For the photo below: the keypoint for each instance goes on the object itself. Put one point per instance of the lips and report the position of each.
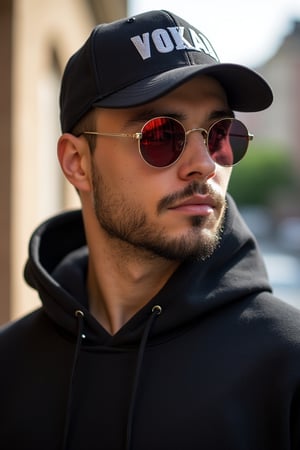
(196, 200)
(197, 204)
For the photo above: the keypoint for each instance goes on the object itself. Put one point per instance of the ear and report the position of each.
(74, 158)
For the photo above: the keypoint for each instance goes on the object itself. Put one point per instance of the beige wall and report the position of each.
(5, 153)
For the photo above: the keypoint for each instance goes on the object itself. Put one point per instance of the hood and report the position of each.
(56, 268)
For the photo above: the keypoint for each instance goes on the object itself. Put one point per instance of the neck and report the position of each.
(121, 280)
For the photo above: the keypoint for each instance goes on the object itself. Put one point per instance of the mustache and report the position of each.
(192, 189)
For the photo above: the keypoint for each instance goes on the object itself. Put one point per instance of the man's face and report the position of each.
(174, 212)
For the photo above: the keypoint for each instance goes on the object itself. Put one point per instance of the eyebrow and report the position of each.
(148, 114)
(220, 114)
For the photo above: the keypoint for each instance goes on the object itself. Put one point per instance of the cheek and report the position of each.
(223, 177)
(127, 181)
(123, 169)
(118, 162)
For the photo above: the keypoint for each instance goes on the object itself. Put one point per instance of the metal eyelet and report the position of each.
(157, 309)
(79, 313)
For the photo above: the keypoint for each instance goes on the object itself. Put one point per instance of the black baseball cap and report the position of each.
(135, 60)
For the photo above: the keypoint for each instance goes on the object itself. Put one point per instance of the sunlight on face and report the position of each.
(177, 212)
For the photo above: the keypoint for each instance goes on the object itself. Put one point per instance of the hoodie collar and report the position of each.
(57, 263)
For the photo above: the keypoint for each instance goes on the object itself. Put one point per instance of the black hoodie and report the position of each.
(212, 362)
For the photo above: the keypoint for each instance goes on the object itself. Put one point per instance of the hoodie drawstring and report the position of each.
(156, 311)
(79, 316)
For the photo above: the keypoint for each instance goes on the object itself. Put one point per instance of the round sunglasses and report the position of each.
(162, 140)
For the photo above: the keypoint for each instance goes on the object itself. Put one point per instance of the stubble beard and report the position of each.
(126, 223)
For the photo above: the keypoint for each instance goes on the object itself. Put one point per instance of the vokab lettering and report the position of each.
(166, 40)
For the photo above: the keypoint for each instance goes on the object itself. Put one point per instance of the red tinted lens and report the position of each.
(228, 141)
(162, 141)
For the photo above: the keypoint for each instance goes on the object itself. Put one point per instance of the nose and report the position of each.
(196, 161)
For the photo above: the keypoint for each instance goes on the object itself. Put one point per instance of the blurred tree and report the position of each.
(265, 172)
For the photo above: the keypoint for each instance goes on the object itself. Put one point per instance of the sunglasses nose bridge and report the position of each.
(202, 131)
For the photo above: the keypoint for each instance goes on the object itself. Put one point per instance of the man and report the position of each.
(158, 328)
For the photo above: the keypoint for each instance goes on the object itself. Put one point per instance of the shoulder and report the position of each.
(20, 331)
(273, 318)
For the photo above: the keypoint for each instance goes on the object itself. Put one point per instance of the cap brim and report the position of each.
(246, 90)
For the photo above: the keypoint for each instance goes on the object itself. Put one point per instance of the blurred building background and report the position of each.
(36, 39)
(267, 183)
(277, 128)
